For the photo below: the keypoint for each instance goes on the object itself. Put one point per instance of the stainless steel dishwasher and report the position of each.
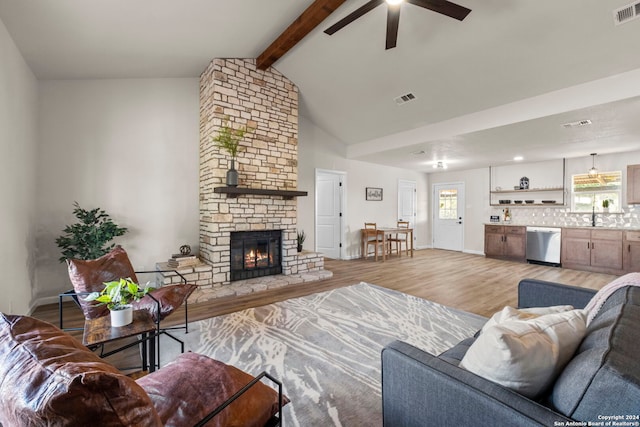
(543, 245)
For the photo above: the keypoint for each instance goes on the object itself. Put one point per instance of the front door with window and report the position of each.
(448, 208)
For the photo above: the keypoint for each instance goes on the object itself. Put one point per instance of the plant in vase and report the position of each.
(229, 139)
(118, 296)
(605, 205)
(87, 239)
(301, 238)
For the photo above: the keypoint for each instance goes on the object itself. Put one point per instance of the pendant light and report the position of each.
(593, 172)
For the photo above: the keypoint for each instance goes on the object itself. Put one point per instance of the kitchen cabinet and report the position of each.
(633, 184)
(631, 251)
(505, 242)
(592, 249)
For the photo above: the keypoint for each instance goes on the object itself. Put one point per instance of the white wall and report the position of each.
(319, 150)
(129, 147)
(18, 150)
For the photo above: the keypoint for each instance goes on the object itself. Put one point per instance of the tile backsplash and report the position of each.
(563, 217)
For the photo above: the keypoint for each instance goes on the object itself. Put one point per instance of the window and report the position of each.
(448, 204)
(588, 192)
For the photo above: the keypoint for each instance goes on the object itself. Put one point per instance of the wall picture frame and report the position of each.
(373, 194)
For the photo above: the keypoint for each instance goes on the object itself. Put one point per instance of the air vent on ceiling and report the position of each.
(627, 13)
(577, 124)
(405, 98)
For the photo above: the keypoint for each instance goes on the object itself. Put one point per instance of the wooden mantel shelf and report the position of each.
(236, 191)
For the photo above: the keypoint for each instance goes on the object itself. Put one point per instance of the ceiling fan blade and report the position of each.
(393, 20)
(444, 7)
(367, 7)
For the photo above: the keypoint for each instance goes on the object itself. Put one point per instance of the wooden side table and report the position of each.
(99, 331)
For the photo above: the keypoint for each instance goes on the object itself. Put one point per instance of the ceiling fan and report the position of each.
(393, 15)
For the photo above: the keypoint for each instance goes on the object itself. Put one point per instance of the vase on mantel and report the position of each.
(232, 175)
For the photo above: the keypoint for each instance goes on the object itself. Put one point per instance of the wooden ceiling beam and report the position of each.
(303, 25)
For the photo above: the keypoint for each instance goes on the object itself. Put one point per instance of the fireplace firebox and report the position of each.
(255, 254)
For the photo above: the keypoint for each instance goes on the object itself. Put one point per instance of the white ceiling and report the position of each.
(496, 85)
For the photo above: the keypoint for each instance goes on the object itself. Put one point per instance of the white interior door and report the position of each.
(329, 212)
(407, 204)
(448, 209)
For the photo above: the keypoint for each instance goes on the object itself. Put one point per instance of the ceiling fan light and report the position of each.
(394, 2)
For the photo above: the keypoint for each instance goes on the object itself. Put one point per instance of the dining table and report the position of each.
(385, 233)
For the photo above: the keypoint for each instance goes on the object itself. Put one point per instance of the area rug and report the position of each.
(326, 347)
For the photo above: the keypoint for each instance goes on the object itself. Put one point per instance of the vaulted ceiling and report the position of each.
(498, 84)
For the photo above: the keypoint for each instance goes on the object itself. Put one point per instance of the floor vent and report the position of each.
(405, 98)
(627, 13)
(577, 124)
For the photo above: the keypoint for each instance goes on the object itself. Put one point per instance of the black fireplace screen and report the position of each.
(255, 254)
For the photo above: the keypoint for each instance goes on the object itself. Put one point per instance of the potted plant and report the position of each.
(301, 238)
(229, 139)
(118, 296)
(87, 239)
(605, 205)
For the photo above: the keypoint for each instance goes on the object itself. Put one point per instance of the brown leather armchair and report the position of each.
(47, 377)
(90, 275)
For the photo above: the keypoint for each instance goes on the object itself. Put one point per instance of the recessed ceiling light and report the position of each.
(518, 158)
(394, 2)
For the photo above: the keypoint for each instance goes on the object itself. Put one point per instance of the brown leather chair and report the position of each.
(47, 377)
(90, 275)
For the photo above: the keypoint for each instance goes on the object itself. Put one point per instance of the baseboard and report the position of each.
(467, 251)
(42, 301)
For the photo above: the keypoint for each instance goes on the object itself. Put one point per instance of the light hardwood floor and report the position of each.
(467, 282)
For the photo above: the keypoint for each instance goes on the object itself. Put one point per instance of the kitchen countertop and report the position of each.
(588, 227)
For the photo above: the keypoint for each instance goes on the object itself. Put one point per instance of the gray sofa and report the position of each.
(601, 380)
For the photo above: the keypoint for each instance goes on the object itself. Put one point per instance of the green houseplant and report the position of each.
(228, 139)
(118, 296)
(301, 238)
(88, 238)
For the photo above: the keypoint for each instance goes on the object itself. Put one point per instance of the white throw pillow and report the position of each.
(526, 355)
(510, 313)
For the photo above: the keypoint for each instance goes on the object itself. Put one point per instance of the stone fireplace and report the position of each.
(264, 203)
(267, 102)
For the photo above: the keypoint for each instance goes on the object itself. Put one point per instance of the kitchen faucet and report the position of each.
(593, 217)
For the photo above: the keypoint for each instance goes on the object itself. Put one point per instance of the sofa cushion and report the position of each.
(510, 313)
(187, 389)
(526, 355)
(604, 375)
(48, 378)
(91, 275)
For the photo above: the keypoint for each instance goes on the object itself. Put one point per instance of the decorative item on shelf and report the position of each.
(185, 250)
(87, 239)
(529, 201)
(494, 218)
(524, 183)
(504, 202)
(517, 202)
(229, 139)
(181, 261)
(301, 238)
(118, 296)
(507, 215)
